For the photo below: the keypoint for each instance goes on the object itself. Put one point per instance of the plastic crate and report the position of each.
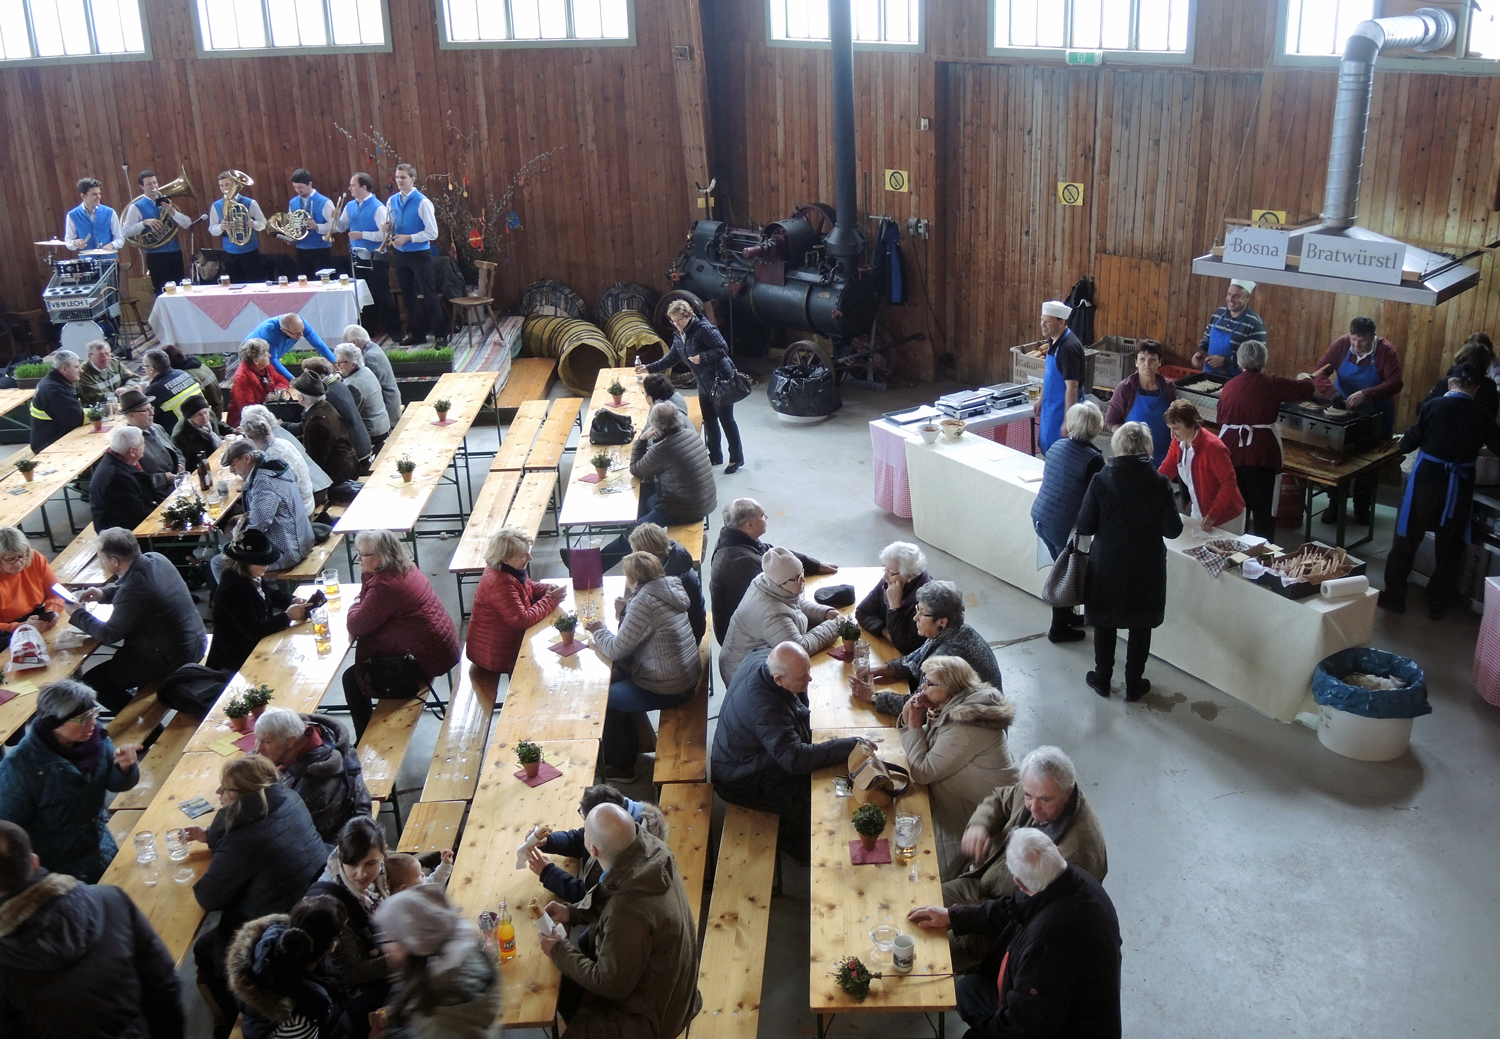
(1024, 362)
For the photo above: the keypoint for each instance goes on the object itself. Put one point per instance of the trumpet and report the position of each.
(390, 233)
(238, 227)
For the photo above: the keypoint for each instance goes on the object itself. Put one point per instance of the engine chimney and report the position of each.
(845, 243)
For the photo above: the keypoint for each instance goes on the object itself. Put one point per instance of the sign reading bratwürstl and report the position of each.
(1256, 247)
(1353, 258)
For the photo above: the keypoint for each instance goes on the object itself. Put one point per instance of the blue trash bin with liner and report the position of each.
(1368, 724)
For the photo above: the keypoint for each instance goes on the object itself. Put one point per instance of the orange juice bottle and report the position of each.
(505, 932)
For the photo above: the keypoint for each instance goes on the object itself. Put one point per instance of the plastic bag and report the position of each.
(1408, 701)
(27, 649)
(803, 390)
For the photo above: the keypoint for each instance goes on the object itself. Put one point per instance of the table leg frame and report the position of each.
(939, 1029)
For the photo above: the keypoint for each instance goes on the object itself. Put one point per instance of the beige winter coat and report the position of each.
(960, 754)
(768, 615)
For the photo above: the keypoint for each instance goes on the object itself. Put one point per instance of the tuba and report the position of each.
(236, 216)
(179, 188)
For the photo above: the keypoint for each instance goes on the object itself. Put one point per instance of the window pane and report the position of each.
(14, 43)
(344, 14)
(310, 25)
(866, 20)
(48, 28)
(1351, 13)
(1152, 33)
(1022, 24)
(526, 19)
(283, 23)
(586, 20)
(1484, 31)
(108, 35)
(1050, 24)
(490, 20)
(614, 15)
(1086, 23)
(1177, 36)
(1115, 28)
(554, 20)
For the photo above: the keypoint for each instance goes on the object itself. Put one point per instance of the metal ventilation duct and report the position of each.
(1438, 277)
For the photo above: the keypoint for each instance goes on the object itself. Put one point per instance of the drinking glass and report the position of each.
(145, 857)
(177, 851)
(321, 636)
(883, 937)
(862, 661)
(908, 829)
(330, 579)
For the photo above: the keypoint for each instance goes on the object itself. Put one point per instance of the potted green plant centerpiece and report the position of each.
(258, 697)
(442, 407)
(95, 417)
(566, 625)
(869, 823)
(849, 632)
(406, 467)
(28, 375)
(616, 392)
(185, 512)
(238, 712)
(27, 468)
(600, 463)
(530, 757)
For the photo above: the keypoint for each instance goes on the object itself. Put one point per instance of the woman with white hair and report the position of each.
(1071, 464)
(700, 345)
(1128, 510)
(890, 609)
(507, 602)
(1249, 405)
(953, 734)
(403, 636)
(26, 581)
(350, 362)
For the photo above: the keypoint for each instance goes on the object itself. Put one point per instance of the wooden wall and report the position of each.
(615, 204)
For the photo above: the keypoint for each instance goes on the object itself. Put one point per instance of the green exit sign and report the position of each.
(1085, 57)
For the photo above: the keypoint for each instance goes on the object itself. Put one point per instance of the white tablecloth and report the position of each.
(214, 320)
(888, 443)
(1487, 648)
(973, 499)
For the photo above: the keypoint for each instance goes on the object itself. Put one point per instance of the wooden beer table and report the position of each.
(64, 663)
(12, 399)
(828, 694)
(614, 503)
(1334, 478)
(155, 525)
(848, 900)
(58, 465)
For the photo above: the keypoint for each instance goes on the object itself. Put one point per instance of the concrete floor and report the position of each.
(1259, 878)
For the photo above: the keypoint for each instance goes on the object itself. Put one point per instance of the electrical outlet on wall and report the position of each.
(923, 123)
(916, 227)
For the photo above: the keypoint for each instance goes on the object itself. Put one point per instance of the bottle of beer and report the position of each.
(505, 931)
(205, 474)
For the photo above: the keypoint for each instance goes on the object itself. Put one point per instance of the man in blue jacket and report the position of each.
(281, 334)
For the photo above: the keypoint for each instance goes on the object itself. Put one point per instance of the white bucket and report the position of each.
(1364, 739)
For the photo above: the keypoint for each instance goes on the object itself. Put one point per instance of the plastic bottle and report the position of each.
(505, 931)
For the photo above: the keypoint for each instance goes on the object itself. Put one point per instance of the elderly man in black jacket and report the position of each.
(55, 408)
(316, 758)
(155, 621)
(737, 556)
(121, 493)
(763, 750)
(1060, 970)
(78, 961)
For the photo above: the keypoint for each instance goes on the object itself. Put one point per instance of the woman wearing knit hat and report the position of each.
(773, 611)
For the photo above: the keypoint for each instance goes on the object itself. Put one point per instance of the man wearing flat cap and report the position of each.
(1063, 386)
(1231, 325)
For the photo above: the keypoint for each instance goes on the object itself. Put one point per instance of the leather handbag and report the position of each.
(394, 678)
(1067, 584)
(610, 427)
(730, 391)
(875, 781)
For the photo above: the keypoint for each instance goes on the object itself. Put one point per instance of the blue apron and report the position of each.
(1457, 473)
(1351, 378)
(1054, 402)
(1152, 410)
(1221, 344)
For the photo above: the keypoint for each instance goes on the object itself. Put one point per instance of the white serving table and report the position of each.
(973, 499)
(209, 319)
(1010, 426)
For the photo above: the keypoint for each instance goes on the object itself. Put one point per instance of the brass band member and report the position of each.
(90, 225)
(164, 263)
(412, 225)
(314, 252)
(241, 261)
(364, 217)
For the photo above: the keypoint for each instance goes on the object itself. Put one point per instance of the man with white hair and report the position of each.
(316, 757)
(55, 408)
(121, 493)
(763, 748)
(282, 333)
(1048, 799)
(1231, 325)
(103, 376)
(350, 361)
(1060, 972)
(1062, 386)
(380, 364)
(737, 556)
(641, 977)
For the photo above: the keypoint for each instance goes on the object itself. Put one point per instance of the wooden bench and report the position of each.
(552, 441)
(695, 412)
(432, 826)
(693, 537)
(682, 733)
(509, 498)
(138, 719)
(516, 445)
(689, 808)
(78, 563)
(459, 752)
(159, 759)
(530, 378)
(732, 966)
(311, 568)
(384, 744)
(122, 825)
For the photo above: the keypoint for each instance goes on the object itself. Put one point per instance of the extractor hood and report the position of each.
(1349, 258)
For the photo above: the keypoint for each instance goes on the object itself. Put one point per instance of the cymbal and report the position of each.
(54, 241)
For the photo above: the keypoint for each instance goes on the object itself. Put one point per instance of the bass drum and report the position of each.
(77, 335)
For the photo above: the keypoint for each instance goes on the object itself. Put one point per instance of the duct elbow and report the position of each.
(1427, 30)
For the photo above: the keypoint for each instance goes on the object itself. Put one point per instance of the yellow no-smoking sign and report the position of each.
(897, 180)
(1069, 194)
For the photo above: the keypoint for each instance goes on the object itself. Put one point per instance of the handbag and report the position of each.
(610, 427)
(728, 391)
(875, 781)
(394, 678)
(1067, 584)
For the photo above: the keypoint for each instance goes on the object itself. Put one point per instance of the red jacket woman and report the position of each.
(254, 380)
(507, 603)
(1215, 491)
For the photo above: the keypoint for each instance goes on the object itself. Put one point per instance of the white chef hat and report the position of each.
(1052, 308)
(1248, 286)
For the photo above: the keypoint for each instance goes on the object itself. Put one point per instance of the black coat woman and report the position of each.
(700, 345)
(1128, 509)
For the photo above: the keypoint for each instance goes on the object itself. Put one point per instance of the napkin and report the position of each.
(532, 840)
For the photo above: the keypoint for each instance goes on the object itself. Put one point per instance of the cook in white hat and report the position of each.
(1231, 325)
(1063, 385)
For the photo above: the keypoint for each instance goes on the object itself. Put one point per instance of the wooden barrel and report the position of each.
(634, 337)
(622, 296)
(550, 298)
(582, 353)
(539, 336)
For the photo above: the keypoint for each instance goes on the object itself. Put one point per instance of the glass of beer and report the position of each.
(908, 829)
(330, 579)
(322, 638)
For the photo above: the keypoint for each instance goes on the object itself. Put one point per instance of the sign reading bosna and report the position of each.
(1256, 247)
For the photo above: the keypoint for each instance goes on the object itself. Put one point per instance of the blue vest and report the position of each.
(407, 214)
(1055, 510)
(316, 204)
(149, 210)
(362, 218)
(229, 247)
(96, 233)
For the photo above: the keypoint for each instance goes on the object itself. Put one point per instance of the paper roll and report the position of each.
(1345, 587)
